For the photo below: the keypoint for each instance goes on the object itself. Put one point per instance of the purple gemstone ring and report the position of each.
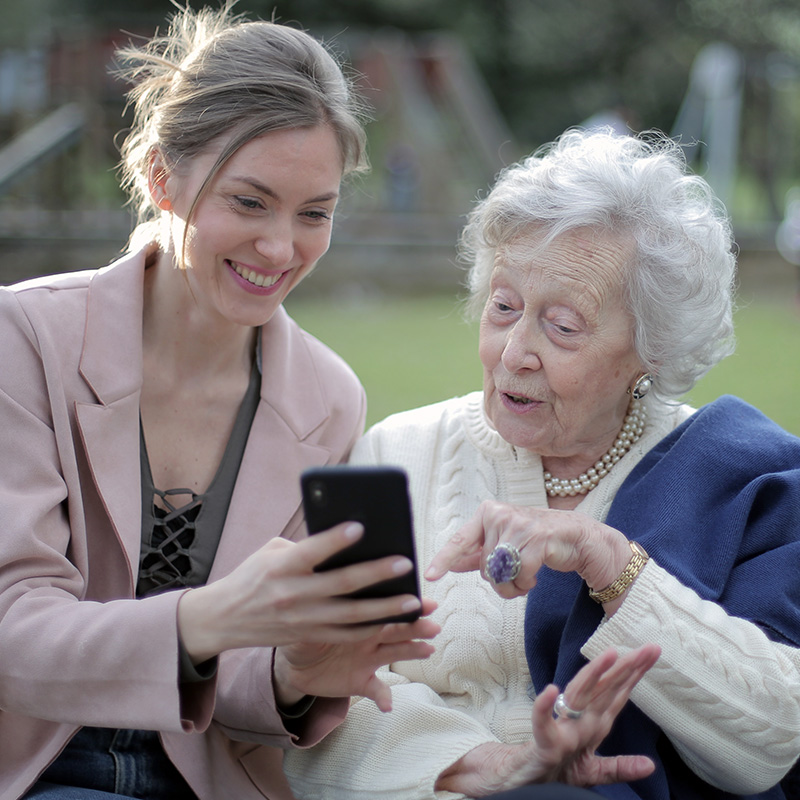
(503, 564)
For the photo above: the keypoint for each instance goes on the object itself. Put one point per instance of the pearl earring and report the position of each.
(642, 386)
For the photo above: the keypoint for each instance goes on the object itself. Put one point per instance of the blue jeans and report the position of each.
(106, 763)
(546, 791)
(49, 791)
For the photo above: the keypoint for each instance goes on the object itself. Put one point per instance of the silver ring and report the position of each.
(561, 709)
(503, 564)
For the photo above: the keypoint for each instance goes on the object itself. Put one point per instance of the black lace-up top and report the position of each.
(179, 543)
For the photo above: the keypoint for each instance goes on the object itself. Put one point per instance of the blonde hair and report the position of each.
(214, 73)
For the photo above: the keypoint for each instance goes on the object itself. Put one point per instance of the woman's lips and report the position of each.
(518, 403)
(253, 280)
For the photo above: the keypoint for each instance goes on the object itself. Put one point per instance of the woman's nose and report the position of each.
(276, 243)
(520, 351)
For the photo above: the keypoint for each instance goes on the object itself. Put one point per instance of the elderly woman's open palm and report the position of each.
(563, 747)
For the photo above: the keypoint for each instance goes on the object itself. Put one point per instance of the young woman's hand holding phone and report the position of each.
(329, 644)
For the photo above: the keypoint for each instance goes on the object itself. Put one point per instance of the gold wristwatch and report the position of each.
(626, 577)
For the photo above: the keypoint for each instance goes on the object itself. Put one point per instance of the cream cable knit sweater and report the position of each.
(476, 687)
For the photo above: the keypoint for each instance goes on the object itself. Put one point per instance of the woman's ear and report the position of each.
(157, 177)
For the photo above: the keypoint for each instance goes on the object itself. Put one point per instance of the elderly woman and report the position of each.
(599, 509)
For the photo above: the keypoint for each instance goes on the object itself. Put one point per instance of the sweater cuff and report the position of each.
(620, 631)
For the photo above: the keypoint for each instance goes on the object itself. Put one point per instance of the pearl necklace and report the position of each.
(631, 431)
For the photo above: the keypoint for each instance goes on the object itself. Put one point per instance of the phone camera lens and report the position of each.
(318, 494)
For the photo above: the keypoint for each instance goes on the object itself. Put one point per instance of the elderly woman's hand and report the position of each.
(563, 749)
(566, 541)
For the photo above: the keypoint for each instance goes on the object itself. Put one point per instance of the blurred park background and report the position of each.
(459, 89)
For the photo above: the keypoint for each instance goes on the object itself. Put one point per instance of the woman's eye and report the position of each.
(564, 329)
(317, 214)
(249, 202)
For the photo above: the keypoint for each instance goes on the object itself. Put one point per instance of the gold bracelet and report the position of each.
(626, 577)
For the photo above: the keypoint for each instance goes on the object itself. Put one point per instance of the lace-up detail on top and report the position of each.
(165, 560)
(179, 543)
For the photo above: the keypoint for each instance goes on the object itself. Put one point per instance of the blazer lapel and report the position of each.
(111, 363)
(280, 446)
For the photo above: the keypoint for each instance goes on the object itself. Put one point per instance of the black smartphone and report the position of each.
(377, 497)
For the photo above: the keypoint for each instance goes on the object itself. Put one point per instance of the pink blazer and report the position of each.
(75, 648)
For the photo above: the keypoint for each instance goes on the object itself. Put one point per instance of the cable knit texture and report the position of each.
(475, 688)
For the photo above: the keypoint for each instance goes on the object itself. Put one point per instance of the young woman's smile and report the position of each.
(254, 280)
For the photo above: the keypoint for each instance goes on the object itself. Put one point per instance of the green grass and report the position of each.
(765, 369)
(412, 351)
(406, 351)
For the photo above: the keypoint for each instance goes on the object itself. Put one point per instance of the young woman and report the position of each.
(162, 631)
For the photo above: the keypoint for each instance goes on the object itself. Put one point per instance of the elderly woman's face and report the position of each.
(556, 343)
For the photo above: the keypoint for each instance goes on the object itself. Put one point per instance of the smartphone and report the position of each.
(377, 497)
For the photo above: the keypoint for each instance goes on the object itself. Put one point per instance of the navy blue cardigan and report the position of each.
(717, 504)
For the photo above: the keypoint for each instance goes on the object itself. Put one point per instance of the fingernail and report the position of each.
(354, 530)
(402, 565)
(430, 573)
(411, 605)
